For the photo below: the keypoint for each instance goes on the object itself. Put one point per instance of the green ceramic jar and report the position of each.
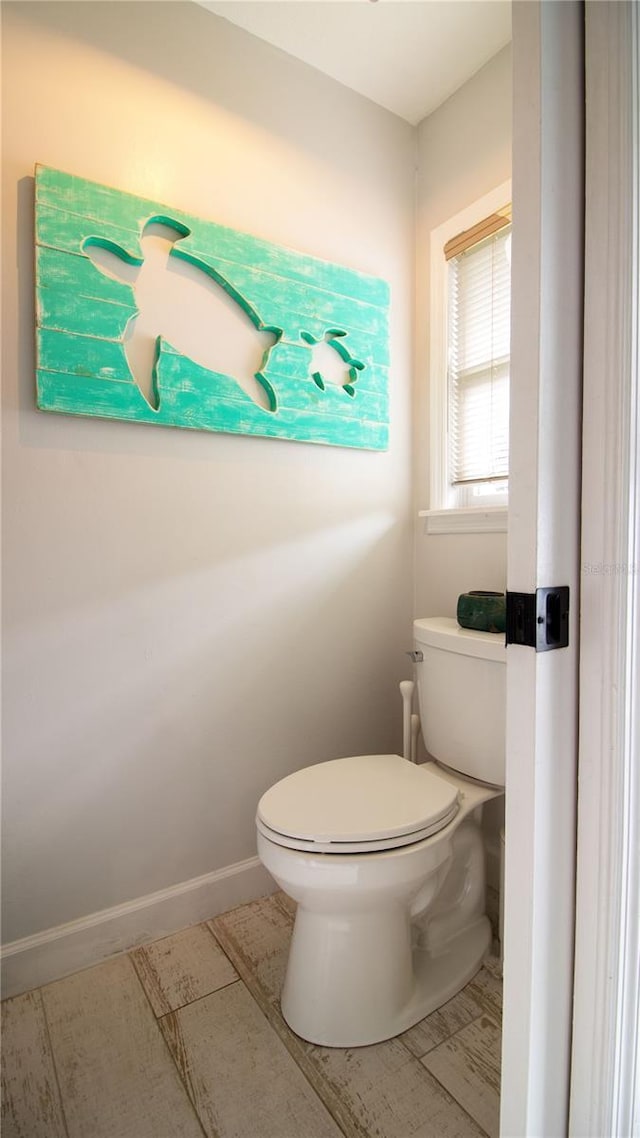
(482, 610)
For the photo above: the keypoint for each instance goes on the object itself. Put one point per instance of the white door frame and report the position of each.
(565, 1070)
(543, 550)
(605, 1095)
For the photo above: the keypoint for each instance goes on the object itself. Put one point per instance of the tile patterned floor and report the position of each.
(184, 1037)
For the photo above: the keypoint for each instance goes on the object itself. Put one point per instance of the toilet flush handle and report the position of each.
(417, 656)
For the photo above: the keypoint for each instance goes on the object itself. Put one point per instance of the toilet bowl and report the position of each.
(385, 858)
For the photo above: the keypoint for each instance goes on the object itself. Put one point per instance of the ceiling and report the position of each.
(405, 55)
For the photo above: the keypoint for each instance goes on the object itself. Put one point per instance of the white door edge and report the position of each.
(543, 550)
(605, 1095)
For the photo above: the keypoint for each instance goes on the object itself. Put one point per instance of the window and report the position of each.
(478, 363)
(470, 356)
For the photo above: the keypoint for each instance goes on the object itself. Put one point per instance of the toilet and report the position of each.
(385, 857)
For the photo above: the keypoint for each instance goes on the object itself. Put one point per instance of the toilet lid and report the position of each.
(361, 802)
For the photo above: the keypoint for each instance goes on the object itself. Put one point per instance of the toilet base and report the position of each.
(440, 978)
(422, 983)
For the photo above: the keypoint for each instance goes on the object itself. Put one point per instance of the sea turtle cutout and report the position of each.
(176, 296)
(326, 368)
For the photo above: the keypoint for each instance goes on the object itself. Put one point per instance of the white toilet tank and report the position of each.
(461, 691)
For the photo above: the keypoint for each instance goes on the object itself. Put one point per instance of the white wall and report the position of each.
(189, 616)
(464, 152)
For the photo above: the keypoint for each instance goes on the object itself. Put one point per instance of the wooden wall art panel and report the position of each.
(303, 312)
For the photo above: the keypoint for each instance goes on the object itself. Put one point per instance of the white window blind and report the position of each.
(479, 356)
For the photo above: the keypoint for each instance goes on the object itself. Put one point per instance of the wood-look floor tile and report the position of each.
(384, 1093)
(182, 968)
(482, 994)
(256, 937)
(468, 1065)
(373, 1092)
(486, 988)
(116, 1077)
(31, 1105)
(493, 964)
(286, 903)
(442, 1023)
(241, 1078)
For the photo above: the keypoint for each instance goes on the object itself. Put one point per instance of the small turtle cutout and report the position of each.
(323, 363)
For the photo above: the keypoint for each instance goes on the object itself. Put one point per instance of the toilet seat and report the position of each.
(359, 804)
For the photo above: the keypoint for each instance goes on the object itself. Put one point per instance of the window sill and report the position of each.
(490, 519)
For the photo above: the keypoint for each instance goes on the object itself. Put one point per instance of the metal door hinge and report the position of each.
(539, 620)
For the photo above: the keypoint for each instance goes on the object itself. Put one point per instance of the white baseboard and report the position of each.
(53, 953)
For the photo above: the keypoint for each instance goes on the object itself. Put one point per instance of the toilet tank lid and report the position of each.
(444, 632)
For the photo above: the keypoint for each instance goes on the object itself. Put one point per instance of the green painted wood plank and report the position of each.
(77, 275)
(375, 378)
(81, 315)
(59, 229)
(289, 306)
(91, 200)
(82, 355)
(298, 426)
(181, 374)
(217, 241)
(332, 401)
(96, 397)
